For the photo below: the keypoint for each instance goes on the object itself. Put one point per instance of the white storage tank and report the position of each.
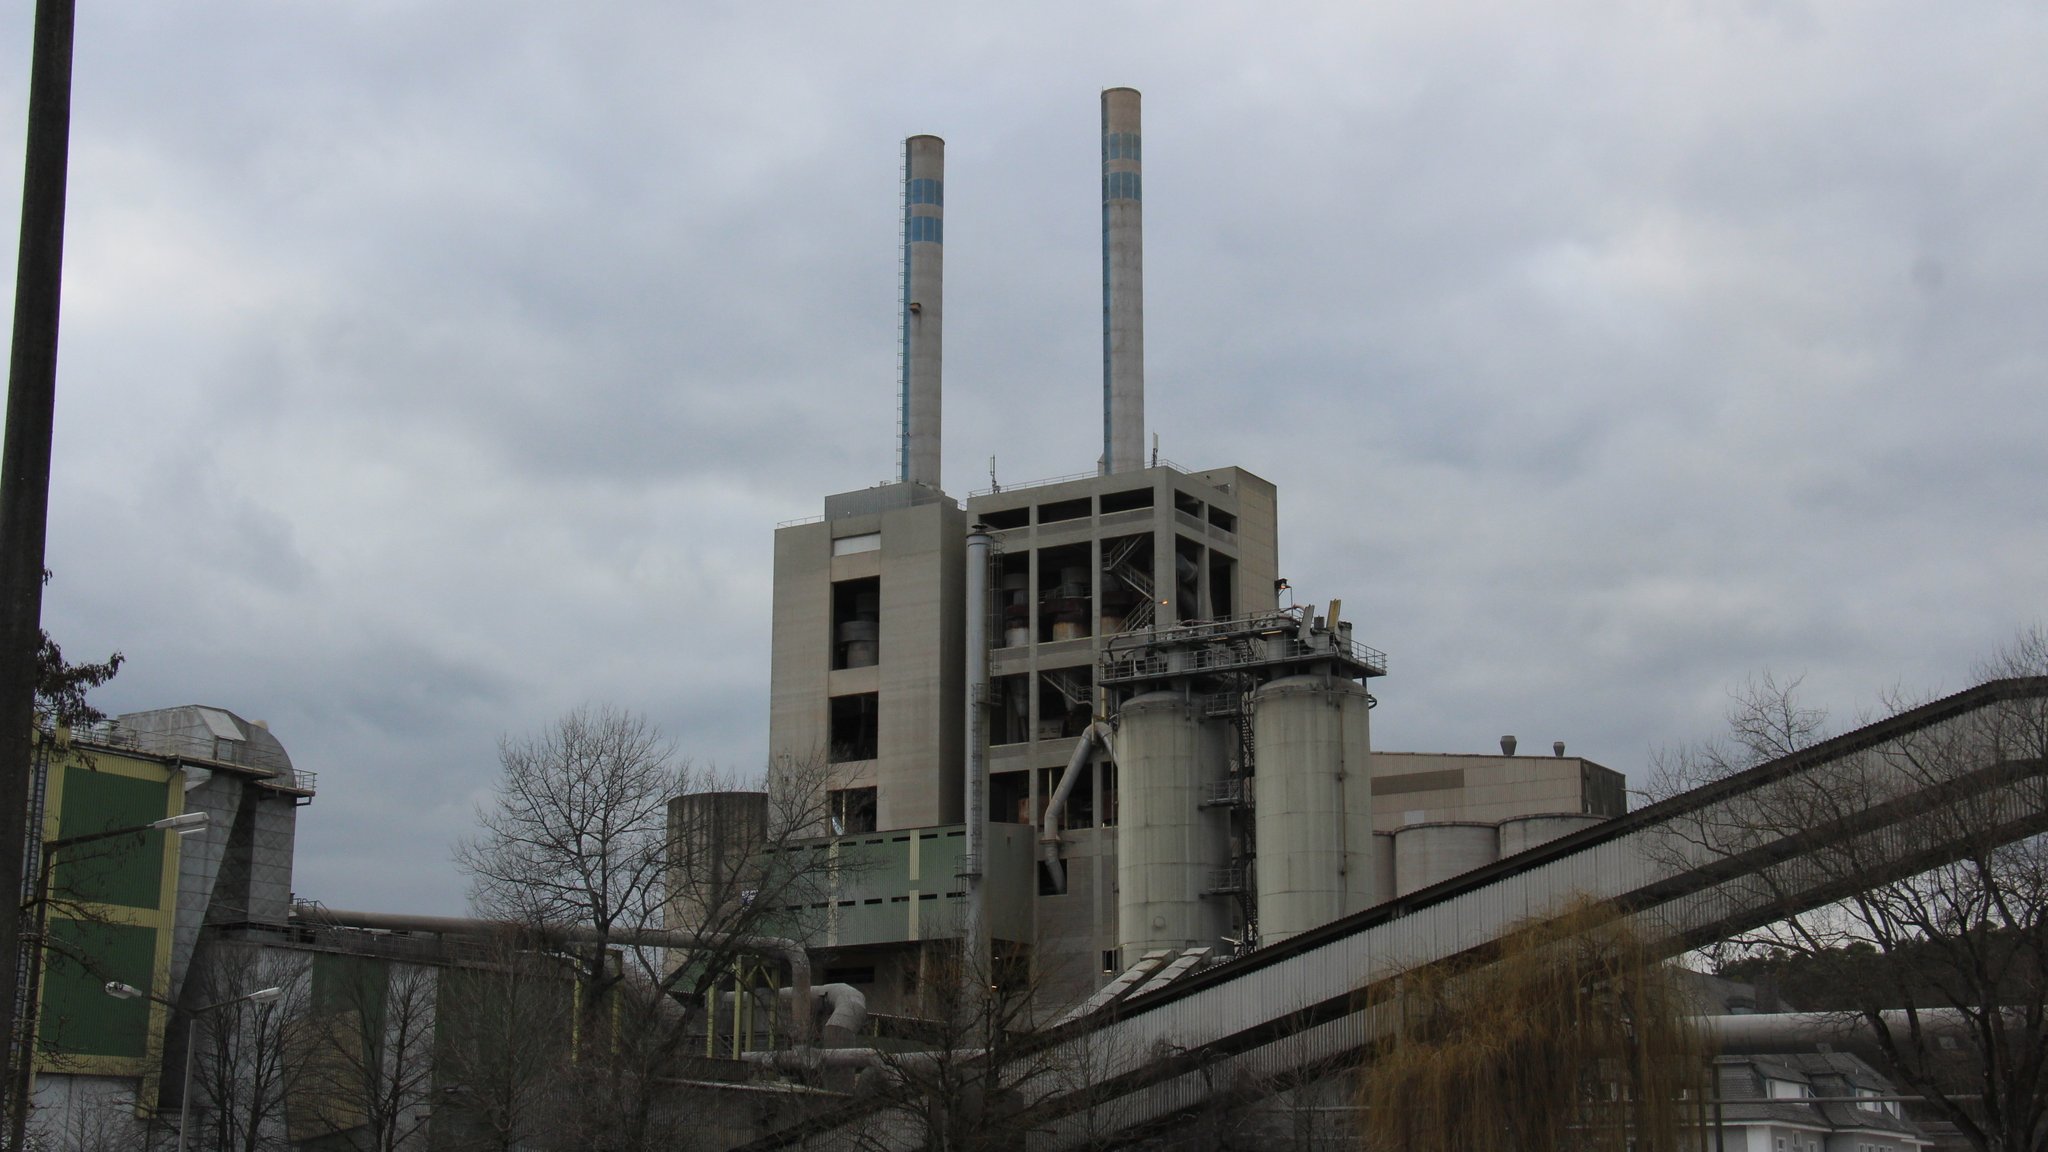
(1521, 833)
(1426, 854)
(1313, 803)
(1382, 867)
(1168, 845)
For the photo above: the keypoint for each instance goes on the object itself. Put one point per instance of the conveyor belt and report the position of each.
(1687, 871)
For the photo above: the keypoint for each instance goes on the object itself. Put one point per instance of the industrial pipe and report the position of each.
(1098, 733)
(847, 1009)
(1800, 1031)
(789, 950)
(974, 794)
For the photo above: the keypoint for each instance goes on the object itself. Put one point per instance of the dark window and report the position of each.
(856, 622)
(1126, 501)
(1003, 519)
(1222, 519)
(853, 810)
(1009, 798)
(1182, 502)
(855, 729)
(1063, 510)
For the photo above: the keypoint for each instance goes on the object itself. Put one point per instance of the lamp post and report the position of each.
(184, 825)
(120, 991)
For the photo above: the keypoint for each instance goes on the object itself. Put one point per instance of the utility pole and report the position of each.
(25, 477)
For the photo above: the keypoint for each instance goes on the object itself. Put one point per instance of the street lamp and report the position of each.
(120, 991)
(183, 824)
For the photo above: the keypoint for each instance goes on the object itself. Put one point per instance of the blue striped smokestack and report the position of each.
(1123, 284)
(924, 218)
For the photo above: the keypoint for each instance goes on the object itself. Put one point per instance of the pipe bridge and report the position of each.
(1882, 803)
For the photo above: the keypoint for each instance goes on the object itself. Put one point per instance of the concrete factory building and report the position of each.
(1082, 720)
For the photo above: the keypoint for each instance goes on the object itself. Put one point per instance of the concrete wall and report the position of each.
(1436, 787)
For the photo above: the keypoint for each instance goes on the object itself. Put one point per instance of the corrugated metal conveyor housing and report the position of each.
(1695, 868)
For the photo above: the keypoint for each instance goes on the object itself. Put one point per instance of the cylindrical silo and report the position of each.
(1123, 283)
(1521, 833)
(1313, 809)
(1426, 854)
(714, 845)
(924, 265)
(1382, 867)
(1168, 845)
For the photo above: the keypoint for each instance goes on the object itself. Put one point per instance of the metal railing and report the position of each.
(1157, 462)
(216, 749)
(1224, 880)
(1228, 792)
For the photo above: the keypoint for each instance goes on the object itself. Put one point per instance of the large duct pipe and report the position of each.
(789, 950)
(1123, 284)
(846, 1009)
(924, 266)
(1098, 735)
(1758, 1033)
(974, 937)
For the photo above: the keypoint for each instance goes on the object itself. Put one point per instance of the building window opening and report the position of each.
(855, 728)
(1009, 714)
(1222, 585)
(1129, 501)
(1066, 593)
(1004, 519)
(1187, 579)
(1182, 502)
(1009, 797)
(1127, 596)
(853, 810)
(1013, 599)
(1059, 510)
(1106, 773)
(1066, 702)
(856, 622)
(1222, 520)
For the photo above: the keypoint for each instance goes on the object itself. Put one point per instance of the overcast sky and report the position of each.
(429, 369)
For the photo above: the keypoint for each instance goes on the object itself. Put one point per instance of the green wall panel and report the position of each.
(127, 870)
(78, 1017)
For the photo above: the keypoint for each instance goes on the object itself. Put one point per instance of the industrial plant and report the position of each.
(1083, 720)
(1077, 745)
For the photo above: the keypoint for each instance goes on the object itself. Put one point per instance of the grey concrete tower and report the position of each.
(924, 249)
(1123, 284)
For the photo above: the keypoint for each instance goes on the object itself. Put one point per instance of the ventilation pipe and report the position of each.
(1098, 735)
(1123, 284)
(846, 1009)
(1507, 745)
(789, 950)
(924, 249)
(974, 795)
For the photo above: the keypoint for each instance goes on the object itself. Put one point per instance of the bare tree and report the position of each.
(365, 1055)
(503, 1049)
(243, 1062)
(1947, 968)
(580, 845)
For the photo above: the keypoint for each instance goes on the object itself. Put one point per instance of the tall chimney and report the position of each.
(1123, 284)
(924, 257)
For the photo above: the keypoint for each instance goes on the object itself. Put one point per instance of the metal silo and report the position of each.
(1382, 867)
(1313, 808)
(1169, 848)
(1426, 854)
(1521, 833)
